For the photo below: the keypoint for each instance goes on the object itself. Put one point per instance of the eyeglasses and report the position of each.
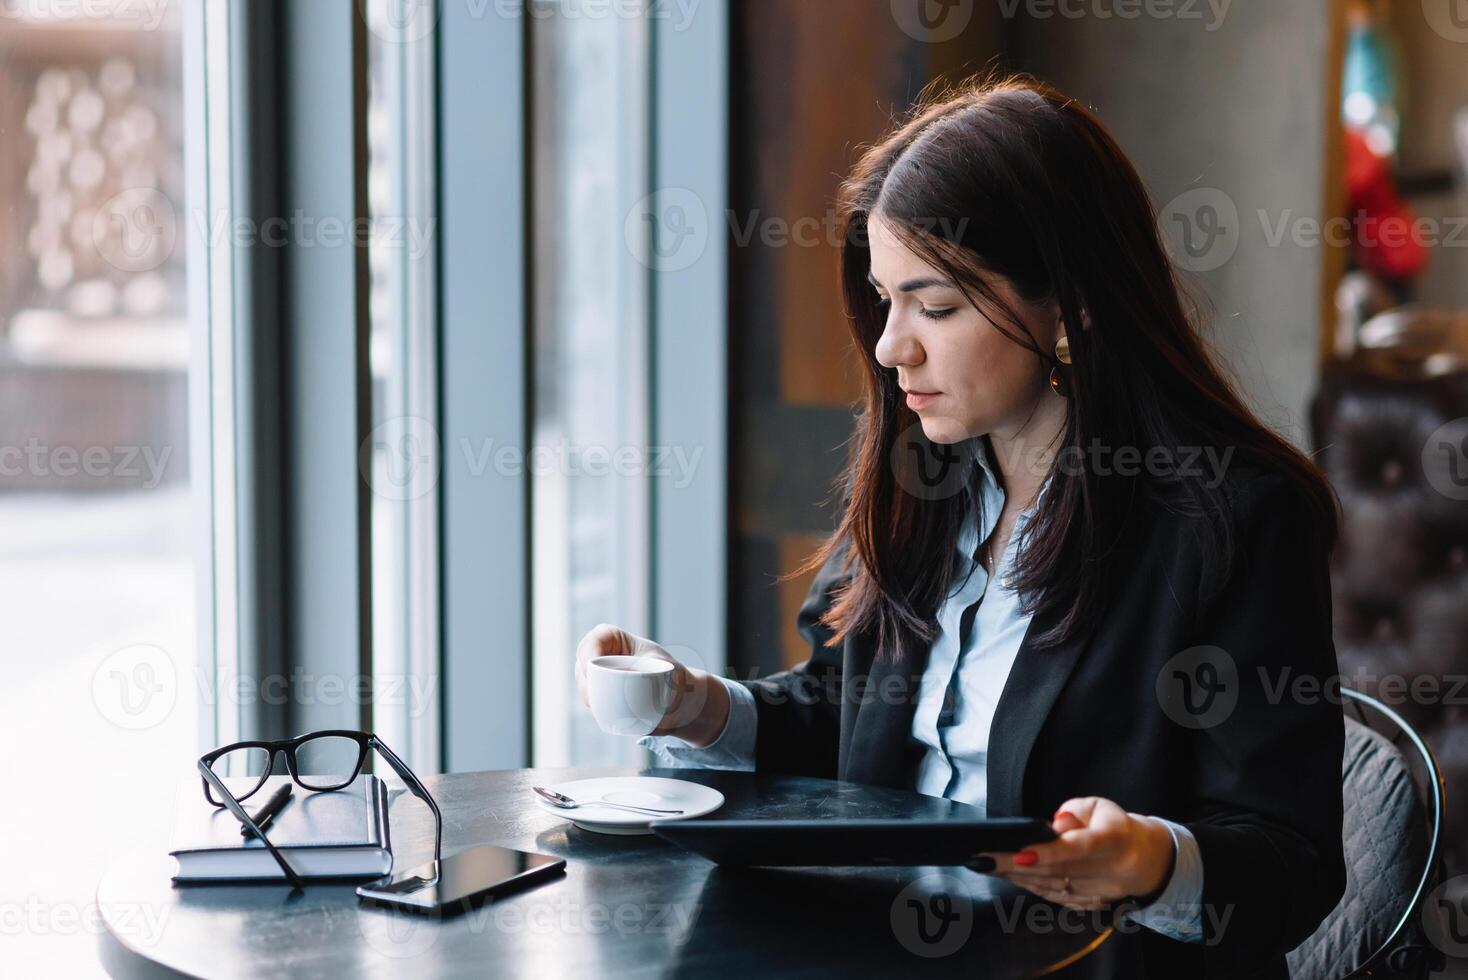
(319, 761)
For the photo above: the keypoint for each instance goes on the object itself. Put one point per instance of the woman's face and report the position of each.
(960, 374)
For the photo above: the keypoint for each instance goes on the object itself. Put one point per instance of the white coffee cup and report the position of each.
(629, 695)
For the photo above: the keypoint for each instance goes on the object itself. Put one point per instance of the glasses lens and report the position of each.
(327, 762)
(243, 771)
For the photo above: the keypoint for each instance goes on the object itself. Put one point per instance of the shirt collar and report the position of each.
(991, 499)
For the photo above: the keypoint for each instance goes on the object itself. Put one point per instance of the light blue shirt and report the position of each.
(979, 635)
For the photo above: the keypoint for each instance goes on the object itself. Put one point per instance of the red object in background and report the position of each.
(1386, 240)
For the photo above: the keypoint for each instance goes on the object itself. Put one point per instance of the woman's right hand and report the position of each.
(700, 704)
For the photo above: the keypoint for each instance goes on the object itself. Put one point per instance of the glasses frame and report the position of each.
(213, 783)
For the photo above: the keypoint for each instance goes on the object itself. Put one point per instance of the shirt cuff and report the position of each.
(1178, 911)
(733, 749)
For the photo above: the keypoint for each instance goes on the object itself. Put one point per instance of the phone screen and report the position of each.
(463, 876)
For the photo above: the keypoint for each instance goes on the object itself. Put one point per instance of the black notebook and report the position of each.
(337, 834)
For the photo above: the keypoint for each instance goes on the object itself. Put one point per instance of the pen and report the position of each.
(271, 807)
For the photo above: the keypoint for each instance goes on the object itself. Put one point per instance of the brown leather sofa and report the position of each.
(1400, 572)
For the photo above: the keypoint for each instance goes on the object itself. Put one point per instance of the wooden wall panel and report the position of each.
(811, 82)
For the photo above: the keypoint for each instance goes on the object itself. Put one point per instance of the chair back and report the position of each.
(1392, 835)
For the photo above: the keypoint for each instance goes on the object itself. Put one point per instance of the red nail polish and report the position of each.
(1064, 813)
(1025, 859)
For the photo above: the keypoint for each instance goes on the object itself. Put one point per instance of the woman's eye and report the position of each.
(938, 314)
(884, 304)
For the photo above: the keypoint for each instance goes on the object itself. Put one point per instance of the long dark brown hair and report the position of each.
(1005, 176)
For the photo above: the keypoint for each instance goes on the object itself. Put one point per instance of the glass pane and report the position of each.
(96, 570)
(401, 460)
(326, 762)
(589, 492)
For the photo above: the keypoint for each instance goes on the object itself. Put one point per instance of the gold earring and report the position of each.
(1058, 382)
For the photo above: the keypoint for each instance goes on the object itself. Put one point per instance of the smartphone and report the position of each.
(476, 873)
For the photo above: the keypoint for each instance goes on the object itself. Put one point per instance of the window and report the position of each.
(590, 353)
(97, 575)
(403, 463)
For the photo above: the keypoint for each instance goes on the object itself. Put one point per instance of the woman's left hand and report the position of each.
(1102, 854)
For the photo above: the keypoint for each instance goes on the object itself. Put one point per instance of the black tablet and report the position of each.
(851, 842)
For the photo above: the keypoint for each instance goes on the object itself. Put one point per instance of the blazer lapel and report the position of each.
(1034, 682)
(876, 752)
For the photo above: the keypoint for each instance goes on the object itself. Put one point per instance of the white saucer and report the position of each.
(694, 799)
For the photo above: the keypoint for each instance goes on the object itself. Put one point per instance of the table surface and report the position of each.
(626, 906)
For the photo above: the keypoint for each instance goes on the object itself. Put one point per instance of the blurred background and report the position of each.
(356, 358)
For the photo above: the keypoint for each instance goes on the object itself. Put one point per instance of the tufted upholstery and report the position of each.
(1386, 840)
(1400, 572)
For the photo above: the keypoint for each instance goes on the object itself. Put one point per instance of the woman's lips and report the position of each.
(918, 400)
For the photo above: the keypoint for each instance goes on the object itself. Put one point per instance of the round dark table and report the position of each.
(627, 906)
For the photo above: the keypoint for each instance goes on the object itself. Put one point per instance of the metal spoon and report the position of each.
(563, 802)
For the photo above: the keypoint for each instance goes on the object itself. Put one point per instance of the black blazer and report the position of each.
(1259, 785)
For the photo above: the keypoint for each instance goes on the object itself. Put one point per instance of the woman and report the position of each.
(1040, 413)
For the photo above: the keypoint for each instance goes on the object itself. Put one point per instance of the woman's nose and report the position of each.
(897, 347)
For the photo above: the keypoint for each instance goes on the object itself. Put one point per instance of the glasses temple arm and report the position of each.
(244, 818)
(416, 787)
